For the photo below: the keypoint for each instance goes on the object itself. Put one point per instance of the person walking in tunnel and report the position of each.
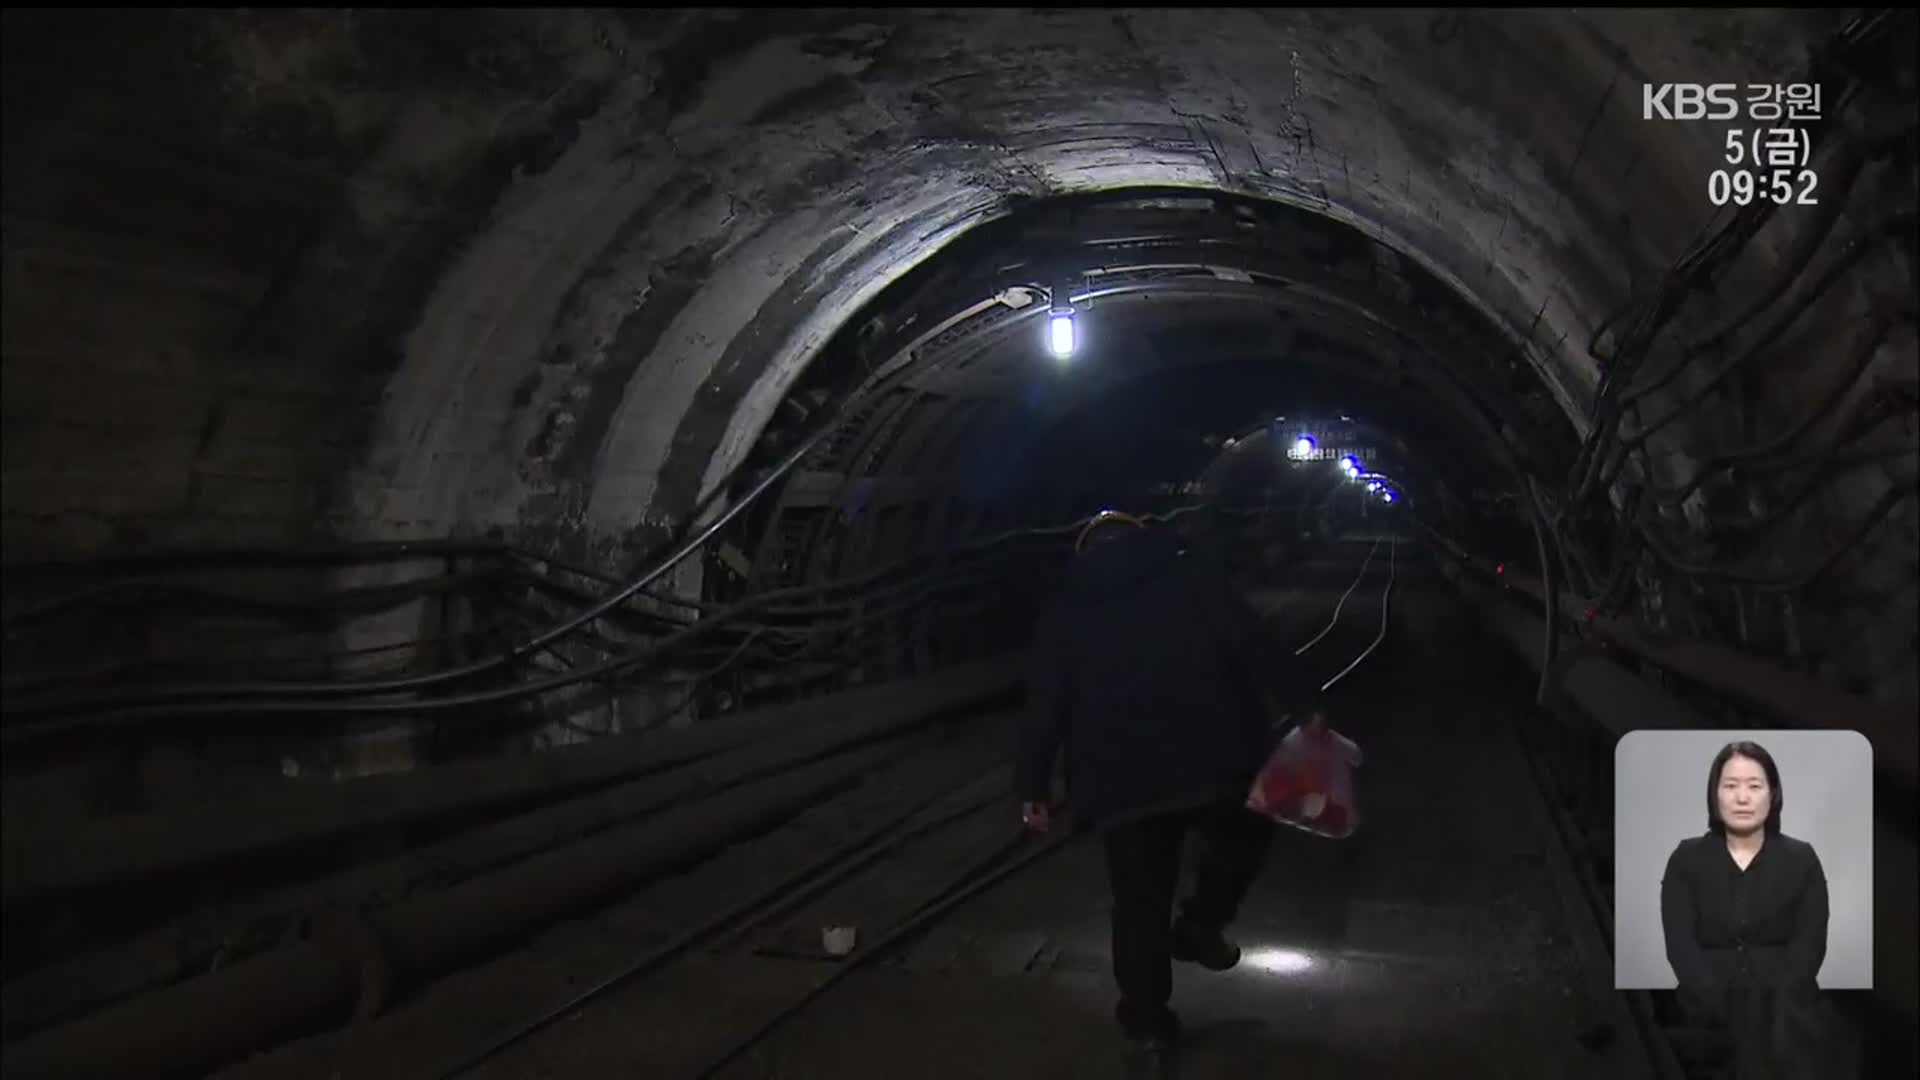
(1144, 672)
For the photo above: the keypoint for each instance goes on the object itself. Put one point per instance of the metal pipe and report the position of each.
(119, 708)
(203, 1023)
(40, 866)
(1550, 625)
(1613, 695)
(1588, 907)
(1793, 698)
(976, 880)
(691, 540)
(776, 899)
(1621, 702)
(233, 558)
(50, 995)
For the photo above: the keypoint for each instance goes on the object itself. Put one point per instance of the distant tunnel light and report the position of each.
(1060, 334)
(1386, 496)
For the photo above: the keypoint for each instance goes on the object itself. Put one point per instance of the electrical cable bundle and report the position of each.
(1622, 422)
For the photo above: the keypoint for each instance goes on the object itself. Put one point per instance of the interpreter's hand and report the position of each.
(1036, 816)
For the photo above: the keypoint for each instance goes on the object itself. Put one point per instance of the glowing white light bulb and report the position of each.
(1060, 335)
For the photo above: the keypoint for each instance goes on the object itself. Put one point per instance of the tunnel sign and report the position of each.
(1334, 453)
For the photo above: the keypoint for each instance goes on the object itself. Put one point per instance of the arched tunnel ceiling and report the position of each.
(554, 271)
(1305, 349)
(1176, 424)
(1167, 380)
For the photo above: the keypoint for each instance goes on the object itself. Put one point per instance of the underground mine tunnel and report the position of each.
(515, 521)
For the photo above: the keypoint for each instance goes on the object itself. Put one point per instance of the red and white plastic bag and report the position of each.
(1307, 783)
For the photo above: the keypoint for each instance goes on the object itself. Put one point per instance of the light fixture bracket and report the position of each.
(1060, 299)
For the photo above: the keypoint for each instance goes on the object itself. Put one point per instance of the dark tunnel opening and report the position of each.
(1189, 302)
(518, 537)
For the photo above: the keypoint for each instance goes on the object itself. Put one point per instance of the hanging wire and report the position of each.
(1386, 598)
(1335, 620)
(76, 714)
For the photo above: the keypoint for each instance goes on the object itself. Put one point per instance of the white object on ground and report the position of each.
(838, 940)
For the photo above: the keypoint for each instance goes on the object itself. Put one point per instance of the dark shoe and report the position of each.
(1153, 1059)
(1207, 948)
(1157, 1028)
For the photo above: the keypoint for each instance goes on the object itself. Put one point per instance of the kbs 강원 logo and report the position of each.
(1766, 103)
(1689, 101)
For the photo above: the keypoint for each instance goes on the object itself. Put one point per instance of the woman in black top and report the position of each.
(1745, 905)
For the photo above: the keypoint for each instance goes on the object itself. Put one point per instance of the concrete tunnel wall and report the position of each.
(272, 276)
(369, 274)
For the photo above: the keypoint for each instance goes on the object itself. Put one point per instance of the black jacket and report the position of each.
(1144, 671)
(1764, 927)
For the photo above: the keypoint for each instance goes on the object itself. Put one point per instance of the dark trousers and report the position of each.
(1783, 1034)
(1143, 867)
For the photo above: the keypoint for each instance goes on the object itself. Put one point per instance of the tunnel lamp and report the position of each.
(1302, 446)
(1060, 335)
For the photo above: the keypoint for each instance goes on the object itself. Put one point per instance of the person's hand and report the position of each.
(1036, 816)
